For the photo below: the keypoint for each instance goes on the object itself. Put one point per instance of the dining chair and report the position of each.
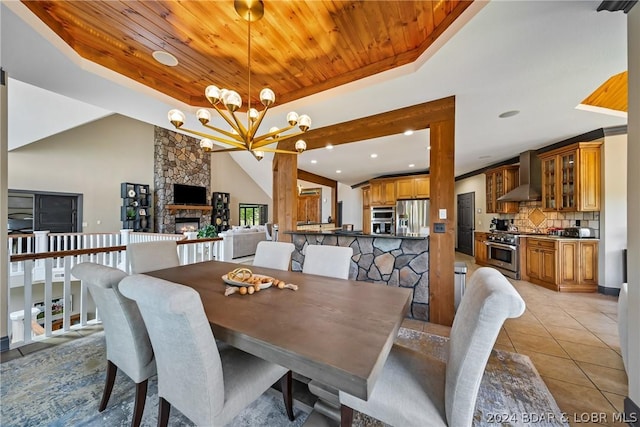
(149, 256)
(209, 384)
(268, 230)
(128, 345)
(273, 255)
(415, 389)
(330, 261)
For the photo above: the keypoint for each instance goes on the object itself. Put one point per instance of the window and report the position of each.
(253, 214)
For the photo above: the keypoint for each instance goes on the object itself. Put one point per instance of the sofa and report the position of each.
(241, 242)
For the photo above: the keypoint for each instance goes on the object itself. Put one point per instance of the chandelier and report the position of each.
(244, 136)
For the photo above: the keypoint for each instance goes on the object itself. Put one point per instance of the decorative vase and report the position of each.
(143, 222)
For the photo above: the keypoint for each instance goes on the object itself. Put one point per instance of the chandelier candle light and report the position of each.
(243, 137)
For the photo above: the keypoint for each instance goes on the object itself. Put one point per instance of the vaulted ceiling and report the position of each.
(297, 49)
(539, 57)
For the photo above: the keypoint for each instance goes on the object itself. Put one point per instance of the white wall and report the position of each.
(613, 216)
(351, 205)
(633, 199)
(228, 177)
(92, 159)
(476, 184)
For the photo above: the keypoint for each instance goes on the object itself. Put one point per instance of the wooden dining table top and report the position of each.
(338, 332)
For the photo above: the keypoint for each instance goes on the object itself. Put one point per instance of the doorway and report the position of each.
(57, 213)
(466, 222)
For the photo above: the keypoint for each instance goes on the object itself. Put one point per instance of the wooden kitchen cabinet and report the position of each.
(541, 262)
(414, 187)
(309, 207)
(571, 178)
(366, 196)
(500, 181)
(563, 265)
(383, 192)
(480, 247)
(366, 220)
(366, 209)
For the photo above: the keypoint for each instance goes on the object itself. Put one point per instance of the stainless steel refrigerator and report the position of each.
(412, 217)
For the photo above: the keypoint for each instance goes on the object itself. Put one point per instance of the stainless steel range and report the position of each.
(503, 253)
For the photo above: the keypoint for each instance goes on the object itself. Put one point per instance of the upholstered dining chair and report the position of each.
(273, 255)
(330, 261)
(268, 230)
(149, 256)
(415, 389)
(128, 345)
(208, 384)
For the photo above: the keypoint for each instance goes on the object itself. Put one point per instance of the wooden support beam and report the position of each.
(285, 194)
(442, 245)
(393, 122)
(437, 115)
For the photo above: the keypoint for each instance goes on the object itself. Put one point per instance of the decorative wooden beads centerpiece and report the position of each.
(243, 281)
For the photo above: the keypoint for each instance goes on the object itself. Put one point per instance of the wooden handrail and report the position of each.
(107, 249)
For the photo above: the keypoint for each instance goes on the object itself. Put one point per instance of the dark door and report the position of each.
(466, 220)
(56, 213)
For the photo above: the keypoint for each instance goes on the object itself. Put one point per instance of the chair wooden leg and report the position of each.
(286, 384)
(164, 408)
(108, 385)
(346, 416)
(138, 408)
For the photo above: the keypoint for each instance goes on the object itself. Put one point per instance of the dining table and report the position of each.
(333, 331)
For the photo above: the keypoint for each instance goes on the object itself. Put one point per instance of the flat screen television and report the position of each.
(189, 195)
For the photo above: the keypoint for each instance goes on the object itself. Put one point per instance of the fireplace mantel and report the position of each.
(174, 208)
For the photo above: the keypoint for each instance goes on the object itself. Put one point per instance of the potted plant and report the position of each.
(207, 232)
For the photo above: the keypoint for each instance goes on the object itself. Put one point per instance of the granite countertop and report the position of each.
(552, 237)
(355, 233)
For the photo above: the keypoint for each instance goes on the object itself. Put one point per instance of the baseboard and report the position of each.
(4, 344)
(608, 291)
(631, 412)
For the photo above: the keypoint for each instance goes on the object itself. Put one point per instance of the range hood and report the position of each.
(530, 180)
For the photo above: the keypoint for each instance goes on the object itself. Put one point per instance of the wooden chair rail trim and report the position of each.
(62, 254)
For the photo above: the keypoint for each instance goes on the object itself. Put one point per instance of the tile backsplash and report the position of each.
(531, 218)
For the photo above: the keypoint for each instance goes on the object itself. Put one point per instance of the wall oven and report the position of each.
(504, 256)
(382, 220)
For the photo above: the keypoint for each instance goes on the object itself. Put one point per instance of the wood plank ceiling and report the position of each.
(299, 48)
(612, 94)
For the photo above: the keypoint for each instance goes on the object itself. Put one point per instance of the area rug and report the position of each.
(62, 386)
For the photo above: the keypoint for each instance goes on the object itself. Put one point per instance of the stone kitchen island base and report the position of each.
(390, 260)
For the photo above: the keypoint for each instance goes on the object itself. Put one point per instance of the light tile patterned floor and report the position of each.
(572, 340)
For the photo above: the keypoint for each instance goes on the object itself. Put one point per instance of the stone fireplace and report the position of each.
(185, 224)
(178, 159)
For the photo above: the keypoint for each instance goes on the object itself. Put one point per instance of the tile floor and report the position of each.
(572, 340)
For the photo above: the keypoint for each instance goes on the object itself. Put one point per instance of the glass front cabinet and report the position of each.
(571, 178)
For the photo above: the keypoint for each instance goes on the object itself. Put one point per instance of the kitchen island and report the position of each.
(401, 261)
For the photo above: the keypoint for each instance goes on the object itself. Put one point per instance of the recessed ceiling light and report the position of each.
(338, 171)
(428, 147)
(165, 58)
(408, 132)
(374, 155)
(509, 114)
(314, 161)
(412, 165)
(329, 147)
